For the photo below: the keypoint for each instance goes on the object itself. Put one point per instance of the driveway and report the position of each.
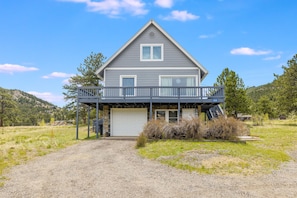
(112, 168)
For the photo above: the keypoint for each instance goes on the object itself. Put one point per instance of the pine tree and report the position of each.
(287, 87)
(86, 77)
(8, 108)
(236, 100)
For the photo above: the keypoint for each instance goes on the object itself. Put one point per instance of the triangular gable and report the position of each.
(100, 72)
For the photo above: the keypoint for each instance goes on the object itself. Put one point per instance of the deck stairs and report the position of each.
(214, 112)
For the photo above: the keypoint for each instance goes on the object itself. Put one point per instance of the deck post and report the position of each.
(178, 106)
(97, 121)
(77, 116)
(88, 121)
(151, 104)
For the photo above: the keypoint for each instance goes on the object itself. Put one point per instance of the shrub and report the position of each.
(153, 129)
(258, 120)
(193, 128)
(141, 141)
(173, 131)
(220, 128)
(225, 129)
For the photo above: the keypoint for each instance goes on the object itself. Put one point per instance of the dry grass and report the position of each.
(20, 144)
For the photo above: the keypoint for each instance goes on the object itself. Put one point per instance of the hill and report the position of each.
(255, 93)
(27, 109)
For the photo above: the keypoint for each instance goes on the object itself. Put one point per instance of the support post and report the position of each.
(97, 119)
(151, 104)
(178, 106)
(88, 121)
(77, 117)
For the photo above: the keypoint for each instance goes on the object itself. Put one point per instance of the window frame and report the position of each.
(121, 84)
(167, 118)
(151, 52)
(178, 76)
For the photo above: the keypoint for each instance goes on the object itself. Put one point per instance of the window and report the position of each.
(185, 82)
(128, 83)
(167, 115)
(151, 52)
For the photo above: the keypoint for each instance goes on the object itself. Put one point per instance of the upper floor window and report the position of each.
(151, 52)
(128, 82)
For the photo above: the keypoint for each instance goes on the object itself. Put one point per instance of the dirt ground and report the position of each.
(112, 168)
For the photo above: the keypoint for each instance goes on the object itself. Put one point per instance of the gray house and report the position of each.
(150, 77)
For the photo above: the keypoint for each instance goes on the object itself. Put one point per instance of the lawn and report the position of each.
(227, 158)
(20, 144)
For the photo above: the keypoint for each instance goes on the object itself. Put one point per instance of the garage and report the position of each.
(127, 121)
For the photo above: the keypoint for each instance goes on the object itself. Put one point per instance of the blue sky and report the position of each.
(42, 42)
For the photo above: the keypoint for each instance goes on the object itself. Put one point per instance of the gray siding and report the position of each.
(144, 77)
(130, 57)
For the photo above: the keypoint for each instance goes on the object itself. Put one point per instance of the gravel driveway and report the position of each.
(111, 168)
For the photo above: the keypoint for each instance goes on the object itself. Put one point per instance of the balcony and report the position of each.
(202, 95)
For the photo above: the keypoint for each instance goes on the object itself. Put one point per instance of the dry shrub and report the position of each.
(173, 131)
(141, 141)
(220, 128)
(225, 129)
(153, 129)
(193, 128)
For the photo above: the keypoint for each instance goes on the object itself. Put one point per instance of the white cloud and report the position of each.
(272, 57)
(114, 8)
(164, 3)
(249, 51)
(47, 96)
(58, 75)
(181, 16)
(12, 68)
(206, 36)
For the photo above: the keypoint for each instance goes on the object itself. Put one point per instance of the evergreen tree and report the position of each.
(265, 106)
(287, 87)
(8, 108)
(236, 100)
(86, 77)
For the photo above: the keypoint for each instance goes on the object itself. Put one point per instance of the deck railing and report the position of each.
(202, 92)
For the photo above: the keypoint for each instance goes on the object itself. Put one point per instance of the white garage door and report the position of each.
(128, 121)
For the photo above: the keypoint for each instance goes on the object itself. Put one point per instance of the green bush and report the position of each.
(141, 141)
(258, 120)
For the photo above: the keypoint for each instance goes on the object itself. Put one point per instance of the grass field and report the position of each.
(20, 144)
(227, 158)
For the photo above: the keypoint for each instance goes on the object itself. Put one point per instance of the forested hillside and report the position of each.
(21, 108)
(255, 93)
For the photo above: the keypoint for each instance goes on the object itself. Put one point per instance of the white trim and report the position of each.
(151, 68)
(151, 45)
(128, 76)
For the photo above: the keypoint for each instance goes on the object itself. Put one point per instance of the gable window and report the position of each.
(127, 83)
(151, 52)
(184, 82)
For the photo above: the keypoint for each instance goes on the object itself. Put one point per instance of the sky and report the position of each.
(43, 42)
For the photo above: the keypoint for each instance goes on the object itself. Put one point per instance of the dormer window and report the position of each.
(151, 52)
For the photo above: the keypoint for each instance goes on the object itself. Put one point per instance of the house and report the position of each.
(150, 77)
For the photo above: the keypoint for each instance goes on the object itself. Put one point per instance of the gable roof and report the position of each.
(100, 72)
